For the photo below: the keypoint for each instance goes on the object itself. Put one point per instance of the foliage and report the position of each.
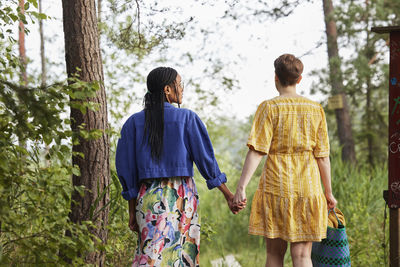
(35, 154)
(262, 10)
(132, 37)
(35, 185)
(359, 194)
(121, 244)
(141, 35)
(10, 14)
(365, 72)
(362, 61)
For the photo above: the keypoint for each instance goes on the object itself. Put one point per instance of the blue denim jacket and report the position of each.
(186, 141)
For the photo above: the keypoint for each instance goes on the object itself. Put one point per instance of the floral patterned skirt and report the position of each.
(169, 225)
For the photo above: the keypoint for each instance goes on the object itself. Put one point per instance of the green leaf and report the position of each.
(76, 171)
(65, 149)
(34, 3)
(80, 190)
(13, 17)
(39, 16)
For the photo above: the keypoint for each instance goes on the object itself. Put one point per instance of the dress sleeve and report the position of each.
(202, 153)
(125, 162)
(321, 149)
(262, 130)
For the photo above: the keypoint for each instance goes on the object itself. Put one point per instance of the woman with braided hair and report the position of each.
(154, 162)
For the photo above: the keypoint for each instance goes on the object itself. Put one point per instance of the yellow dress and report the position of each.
(289, 202)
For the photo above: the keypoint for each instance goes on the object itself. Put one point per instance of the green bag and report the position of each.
(334, 249)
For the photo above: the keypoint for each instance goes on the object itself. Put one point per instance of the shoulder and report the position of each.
(187, 114)
(310, 102)
(307, 100)
(316, 106)
(264, 106)
(186, 111)
(133, 120)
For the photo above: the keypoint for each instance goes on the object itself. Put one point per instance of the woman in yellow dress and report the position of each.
(289, 204)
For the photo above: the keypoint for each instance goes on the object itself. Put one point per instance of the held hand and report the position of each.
(240, 197)
(229, 199)
(235, 208)
(239, 201)
(330, 200)
(132, 223)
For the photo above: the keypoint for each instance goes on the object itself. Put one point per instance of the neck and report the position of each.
(288, 91)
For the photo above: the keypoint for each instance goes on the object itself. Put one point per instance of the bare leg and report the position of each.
(301, 254)
(276, 249)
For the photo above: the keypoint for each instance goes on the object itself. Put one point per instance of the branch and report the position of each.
(309, 52)
(23, 88)
(22, 238)
(374, 57)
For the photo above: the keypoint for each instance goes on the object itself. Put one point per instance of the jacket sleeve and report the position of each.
(125, 162)
(202, 153)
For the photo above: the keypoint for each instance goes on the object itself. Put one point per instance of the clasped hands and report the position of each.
(237, 202)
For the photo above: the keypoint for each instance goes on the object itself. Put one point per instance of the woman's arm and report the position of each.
(132, 215)
(226, 192)
(201, 152)
(251, 162)
(229, 198)
(324, 166)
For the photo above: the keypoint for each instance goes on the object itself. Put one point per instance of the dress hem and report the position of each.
(303, 238)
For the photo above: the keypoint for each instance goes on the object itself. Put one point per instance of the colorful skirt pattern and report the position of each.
(169, 225)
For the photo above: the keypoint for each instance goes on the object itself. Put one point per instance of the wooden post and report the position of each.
(393, 198)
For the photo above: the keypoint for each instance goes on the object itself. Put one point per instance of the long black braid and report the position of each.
(154, 107)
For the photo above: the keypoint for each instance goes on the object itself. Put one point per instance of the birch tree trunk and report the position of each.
(342, 115)
(82, 51)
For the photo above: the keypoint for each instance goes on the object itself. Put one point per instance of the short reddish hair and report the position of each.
(288, 68)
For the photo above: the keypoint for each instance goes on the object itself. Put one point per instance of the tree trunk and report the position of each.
(42, 54)
(23, 62)
(369, 121)
(369, 53)
(43, 63)
(342, 115)
(82, 51)
(21, 45)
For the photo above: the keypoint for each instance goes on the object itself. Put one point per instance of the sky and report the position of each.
(296, 34)
(256, 46)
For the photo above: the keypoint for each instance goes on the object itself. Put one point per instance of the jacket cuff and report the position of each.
(217, 181)
(130, 194)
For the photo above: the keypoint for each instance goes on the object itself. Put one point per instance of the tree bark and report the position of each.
(369, 50)
(342, 115)
(82, 51)
(370, 54)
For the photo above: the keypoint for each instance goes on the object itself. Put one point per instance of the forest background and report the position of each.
(42, 104)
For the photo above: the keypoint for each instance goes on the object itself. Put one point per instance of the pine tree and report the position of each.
(83, 58)
(344, 125)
